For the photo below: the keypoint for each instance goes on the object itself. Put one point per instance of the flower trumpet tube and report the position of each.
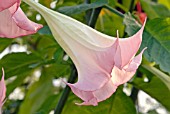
(103, 62)
(13, 22)
(2, 90)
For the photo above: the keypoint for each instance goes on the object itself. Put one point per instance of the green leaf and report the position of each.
(112, 3)
(38, 93)
(4, 43)
(69, 10)
(155, 10)
(58, 55)
(156, 38)
(49, 104)
(155, 88)
(45, 31)
(18, 63)
(118, 103)
(46, 47)
(17, 82)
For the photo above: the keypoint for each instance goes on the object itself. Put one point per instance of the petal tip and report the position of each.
(87, 103)
(3, 73)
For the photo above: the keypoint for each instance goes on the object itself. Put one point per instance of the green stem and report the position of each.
(88, 12)
(66, 92)
(94, 16)
(134, 94)
(87, 1)
(114, 11)
(155, 0)
(135, 91)
(164, 77)
(131, 5)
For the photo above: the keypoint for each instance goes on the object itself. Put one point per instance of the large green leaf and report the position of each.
(69, 10)
(156, 38)
(118, 103)
(154, 10)
(38, 93)
(17, 82)
(17, 63)
(49, 104)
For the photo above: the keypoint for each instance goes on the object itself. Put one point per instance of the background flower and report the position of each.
(13, 22)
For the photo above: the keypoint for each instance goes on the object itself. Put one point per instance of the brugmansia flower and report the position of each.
(13, 22)
(103, 62)
(2, 90)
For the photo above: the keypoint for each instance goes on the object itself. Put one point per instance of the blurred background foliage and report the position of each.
(35, 64)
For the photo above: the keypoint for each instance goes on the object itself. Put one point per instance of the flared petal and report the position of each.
(106, 91)
(121, 76)
(14, 23)
(5, 4)
(136, 61)
(24, 22)
(15, 26)
(2, 89)
(93, 97)
(127, 48)
(86, 96)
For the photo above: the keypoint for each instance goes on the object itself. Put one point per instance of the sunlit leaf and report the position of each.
(165, 2)
(17, 63)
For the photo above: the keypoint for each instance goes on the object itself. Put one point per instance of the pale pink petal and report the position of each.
(106, 91)
(136, 61)
(24, 22)
(93, 97)
(127, 48)
(91, 64)
(123, 75)
(2, 89)
(120, 76)
(93, 102)
(16, 26)
(5, 4)
(86, 96)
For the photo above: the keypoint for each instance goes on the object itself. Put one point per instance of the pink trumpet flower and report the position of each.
(2, 90)
(14, 22)
(103, 62)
